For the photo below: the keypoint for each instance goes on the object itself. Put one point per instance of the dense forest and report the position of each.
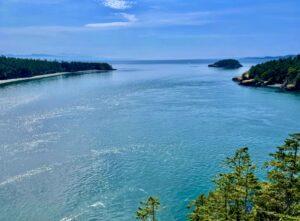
(226, 64)
(283, 71)
(20, 68)
(240, 196)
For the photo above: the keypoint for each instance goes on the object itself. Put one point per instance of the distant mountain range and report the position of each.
(64, 57)
(267, 57)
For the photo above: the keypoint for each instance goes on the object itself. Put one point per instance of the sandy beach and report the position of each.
(16, 80)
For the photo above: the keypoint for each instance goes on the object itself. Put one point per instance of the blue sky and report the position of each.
(150, 29)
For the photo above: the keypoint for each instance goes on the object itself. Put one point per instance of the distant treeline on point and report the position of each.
(11, 68)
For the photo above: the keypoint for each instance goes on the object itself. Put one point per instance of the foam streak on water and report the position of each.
(27, 174)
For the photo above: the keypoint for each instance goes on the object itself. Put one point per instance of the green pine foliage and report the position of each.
(11, 68)
(276, 71)
(147, 210)
(239, 195)
(233, 197)
(280, 196)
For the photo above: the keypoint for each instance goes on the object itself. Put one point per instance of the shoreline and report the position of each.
(275, 86)
(37, 77)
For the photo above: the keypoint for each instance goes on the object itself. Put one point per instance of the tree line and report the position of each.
(283, 71)
(277, 71)
(20, 68)
(240, 196)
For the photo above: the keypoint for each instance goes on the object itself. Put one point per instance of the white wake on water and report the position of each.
(98, 204)
(29, 173)
(86, 210)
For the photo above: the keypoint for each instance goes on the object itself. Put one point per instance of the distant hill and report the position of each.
(269, 57)
(227, 64)
(11, 68)
(284, 73)
(57, 57)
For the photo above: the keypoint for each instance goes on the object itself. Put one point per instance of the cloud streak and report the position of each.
(126, 20)
(130, 20)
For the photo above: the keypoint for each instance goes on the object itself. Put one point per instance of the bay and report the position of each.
(92, 146)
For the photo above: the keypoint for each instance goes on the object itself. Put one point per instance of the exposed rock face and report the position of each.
(246, 80)
(292, 83)
(227, 64)
(249, 82)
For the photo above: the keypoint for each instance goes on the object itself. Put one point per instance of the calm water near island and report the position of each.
(91, 147)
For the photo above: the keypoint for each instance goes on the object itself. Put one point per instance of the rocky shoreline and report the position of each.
(246, 80)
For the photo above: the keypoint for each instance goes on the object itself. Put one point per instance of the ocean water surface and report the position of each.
(91, 147)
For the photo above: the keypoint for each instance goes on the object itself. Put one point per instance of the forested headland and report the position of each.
(11, 68)
(240, 196)
(284, 72)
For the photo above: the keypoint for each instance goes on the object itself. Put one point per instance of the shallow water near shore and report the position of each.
(91, 147)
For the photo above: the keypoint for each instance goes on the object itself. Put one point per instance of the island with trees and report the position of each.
(12, 68)
(239, 195)
(226, 64)
(283, 73)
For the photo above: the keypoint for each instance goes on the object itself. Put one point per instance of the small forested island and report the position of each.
(282, 73)
(226, 64)
(11, 68)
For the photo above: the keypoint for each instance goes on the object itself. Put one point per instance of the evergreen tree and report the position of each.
(148, 209)
(199, 210)
(244, 184)
(225, 188)
(143, 212)
(238, 196)
(280, 197)
(234, 194)
(19, 68)
(153, 205)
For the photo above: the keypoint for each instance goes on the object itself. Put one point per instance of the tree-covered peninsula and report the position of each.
(226, 64)
(11, 68)
(239, 195)
(284, 73)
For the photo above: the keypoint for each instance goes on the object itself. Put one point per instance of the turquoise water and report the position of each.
(91, 147)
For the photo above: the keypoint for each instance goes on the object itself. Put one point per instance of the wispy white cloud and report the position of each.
(39, 30)
(173, 19)
(129, 17)
(118, 4)
(158, 20)
(107, 25)
(191, 18)
(150, 19)
(114, 4)
(127, 20)
(130, 20)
